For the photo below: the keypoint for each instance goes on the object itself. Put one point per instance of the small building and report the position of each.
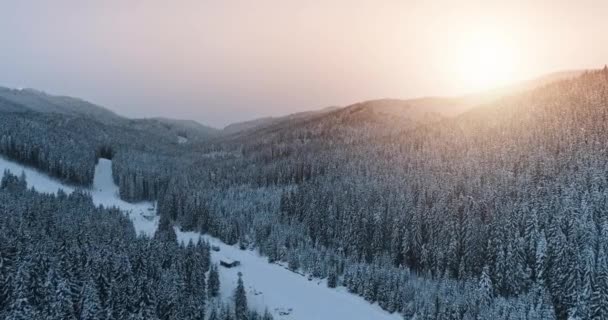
(229, 263)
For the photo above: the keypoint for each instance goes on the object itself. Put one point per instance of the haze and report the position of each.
(224, 61)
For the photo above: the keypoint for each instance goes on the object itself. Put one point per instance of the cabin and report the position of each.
(229, 263)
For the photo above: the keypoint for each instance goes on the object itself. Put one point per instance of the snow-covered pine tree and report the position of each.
(213, 284)
(599, 296)
(240, 300)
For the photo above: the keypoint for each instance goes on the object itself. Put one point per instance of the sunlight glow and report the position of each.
(485, 60)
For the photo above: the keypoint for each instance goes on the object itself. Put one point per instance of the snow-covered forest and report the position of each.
(498, 213)
(268, 287)
(63, 258)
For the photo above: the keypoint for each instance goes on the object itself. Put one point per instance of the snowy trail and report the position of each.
(268, 285)
(104, 192)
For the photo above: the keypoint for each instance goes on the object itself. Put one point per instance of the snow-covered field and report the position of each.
(274, 287)
(287, 295)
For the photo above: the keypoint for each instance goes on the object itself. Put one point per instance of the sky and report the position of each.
(219, 62)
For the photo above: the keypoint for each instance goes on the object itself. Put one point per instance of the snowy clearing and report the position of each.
(287, 295)
(104, 192)
(282, 291)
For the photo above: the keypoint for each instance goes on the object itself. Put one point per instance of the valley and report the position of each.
(286, 294)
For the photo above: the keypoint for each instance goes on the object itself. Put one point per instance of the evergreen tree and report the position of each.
(240, 300)
(213, 315)
(599, 297)
(91, 306)
(165, 231)
(214, 281)
(486, 290)
(332, 279)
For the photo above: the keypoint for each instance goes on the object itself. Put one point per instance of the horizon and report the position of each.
(221, 63)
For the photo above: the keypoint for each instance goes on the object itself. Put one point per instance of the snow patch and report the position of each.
(105, 192)
(36, 179)
(182, 140)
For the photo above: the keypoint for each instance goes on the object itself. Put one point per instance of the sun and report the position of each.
(484, 60)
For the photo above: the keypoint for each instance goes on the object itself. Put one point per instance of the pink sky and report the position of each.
(224, 61)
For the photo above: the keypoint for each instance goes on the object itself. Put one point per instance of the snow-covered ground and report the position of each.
(287, 295)
(182, 140)
(35, 178)
(274, 287)
(104, 192)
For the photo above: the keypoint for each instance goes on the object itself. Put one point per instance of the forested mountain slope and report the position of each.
(189, 126)
(418, 109)
(64, 136)
(27, 100)
(240, 127)
(63, 258)
(511, 194)
(497, 213)
(23, 100)
(453, 106)
(67, 147)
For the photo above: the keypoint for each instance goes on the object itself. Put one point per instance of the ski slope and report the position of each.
(104, 192)
(287, 295)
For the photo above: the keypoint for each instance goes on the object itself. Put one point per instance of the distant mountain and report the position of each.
(31, 100)
(268, 121)
(22, 100)
(419, 110)
(249, 124)
(189, 129)
(432, 107)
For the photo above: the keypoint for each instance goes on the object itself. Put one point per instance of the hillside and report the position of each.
(427, 108)
(417, 110)
(22, 100)
(497, 212)
(63, 249)
(189, 129)
(509, 193)
(31, 100)
(269, 121)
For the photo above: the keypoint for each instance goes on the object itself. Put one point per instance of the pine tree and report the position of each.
(5, 284)
(267, 315)
(540, 258)
(332, 279)
(63, 307)
(240, 300)
(91, 306)
(599, 297)
(21, 307)
(214, 281)
(165, 231)
(213, 315)
(486, 290)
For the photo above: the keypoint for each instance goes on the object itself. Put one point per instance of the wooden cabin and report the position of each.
(229, 263)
